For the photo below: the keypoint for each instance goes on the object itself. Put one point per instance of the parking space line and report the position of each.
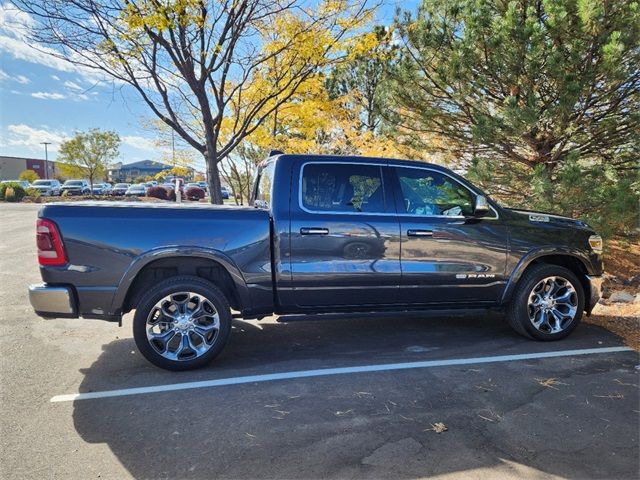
(270, 377)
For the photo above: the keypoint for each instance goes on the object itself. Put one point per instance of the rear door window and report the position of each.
(346, 188)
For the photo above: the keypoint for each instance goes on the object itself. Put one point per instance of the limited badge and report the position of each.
(538, 218)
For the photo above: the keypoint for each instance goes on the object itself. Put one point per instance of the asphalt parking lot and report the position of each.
(570, 416)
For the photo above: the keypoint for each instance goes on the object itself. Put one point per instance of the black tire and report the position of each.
(518, 309)
(174, 285)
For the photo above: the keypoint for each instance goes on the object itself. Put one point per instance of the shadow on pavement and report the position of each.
(499, 417)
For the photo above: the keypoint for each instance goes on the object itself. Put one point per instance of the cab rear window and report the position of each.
(264, 186)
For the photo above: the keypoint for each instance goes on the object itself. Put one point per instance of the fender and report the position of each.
(534, 254)
(168, 252)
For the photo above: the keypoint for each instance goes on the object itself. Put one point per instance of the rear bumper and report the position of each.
(52, 302)
(594, 293)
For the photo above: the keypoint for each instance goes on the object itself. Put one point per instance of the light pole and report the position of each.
(46, 159)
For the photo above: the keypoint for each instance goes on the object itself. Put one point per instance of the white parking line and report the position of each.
(331, 371)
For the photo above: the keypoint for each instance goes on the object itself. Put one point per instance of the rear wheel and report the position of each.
(182, 323)
(547, 304)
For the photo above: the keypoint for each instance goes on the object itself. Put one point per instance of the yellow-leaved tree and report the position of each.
(200, 65)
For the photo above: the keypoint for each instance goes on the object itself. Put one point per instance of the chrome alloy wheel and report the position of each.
(182, 326)
(552, 305)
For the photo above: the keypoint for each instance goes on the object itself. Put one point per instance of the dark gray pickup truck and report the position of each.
(323, 234)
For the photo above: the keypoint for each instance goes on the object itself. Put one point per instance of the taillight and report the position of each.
(50, 249)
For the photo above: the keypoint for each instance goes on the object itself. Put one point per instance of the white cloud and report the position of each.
(22, 79)
(56, 78)
(14, 20)
(48, 95)
(32, 138)
(72, 85)
(14, 28)
(140, 143)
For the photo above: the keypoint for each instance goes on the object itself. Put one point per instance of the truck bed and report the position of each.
(108, 244)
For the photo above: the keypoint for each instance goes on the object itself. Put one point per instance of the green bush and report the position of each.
(11, 192)
(32, 192)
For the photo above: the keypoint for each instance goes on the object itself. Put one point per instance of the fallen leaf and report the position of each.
(437, 427)
(550, 382)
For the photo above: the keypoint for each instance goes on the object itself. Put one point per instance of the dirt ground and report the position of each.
(622, 266)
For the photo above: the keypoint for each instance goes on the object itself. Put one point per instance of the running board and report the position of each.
(432, 313)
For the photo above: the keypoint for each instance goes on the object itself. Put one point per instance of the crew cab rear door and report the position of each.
(448, 257)
(344, 234)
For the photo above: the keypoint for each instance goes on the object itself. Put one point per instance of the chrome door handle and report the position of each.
(314, 231)
(420, 233)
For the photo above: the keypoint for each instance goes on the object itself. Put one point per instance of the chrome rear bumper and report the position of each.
(50, 302)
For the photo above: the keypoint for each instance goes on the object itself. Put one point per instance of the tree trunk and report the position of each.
(213, 178)
(548, 190)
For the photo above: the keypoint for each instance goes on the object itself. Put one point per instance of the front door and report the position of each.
(344, 236)
(447, 255)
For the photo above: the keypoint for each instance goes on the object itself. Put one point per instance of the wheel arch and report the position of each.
(155, 266)
(567, 259)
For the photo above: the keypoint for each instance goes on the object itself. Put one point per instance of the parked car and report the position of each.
(76, 187)
(136, 190)
(204, 186)
(47, 187)
(23, 183)
(119, 189)
(225, 192)
(152, 183)
(102, 189)
(326, 234)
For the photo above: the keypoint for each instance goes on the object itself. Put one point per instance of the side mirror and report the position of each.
(481, 206)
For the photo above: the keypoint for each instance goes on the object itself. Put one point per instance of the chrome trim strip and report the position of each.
(387, 165)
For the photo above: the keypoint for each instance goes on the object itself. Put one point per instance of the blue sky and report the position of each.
(43, 99)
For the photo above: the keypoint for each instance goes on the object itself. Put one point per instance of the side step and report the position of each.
(432, 313)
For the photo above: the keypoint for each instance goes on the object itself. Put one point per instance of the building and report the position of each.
(12, 167)
(120, 172)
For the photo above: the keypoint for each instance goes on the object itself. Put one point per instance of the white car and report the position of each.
(47, 187)
(136, 190)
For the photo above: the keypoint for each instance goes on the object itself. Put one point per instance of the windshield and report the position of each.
(121, 185)
(42, 182)
(73, 182)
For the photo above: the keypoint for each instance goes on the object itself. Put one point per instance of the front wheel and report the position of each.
(547, 304)
(182, 323)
